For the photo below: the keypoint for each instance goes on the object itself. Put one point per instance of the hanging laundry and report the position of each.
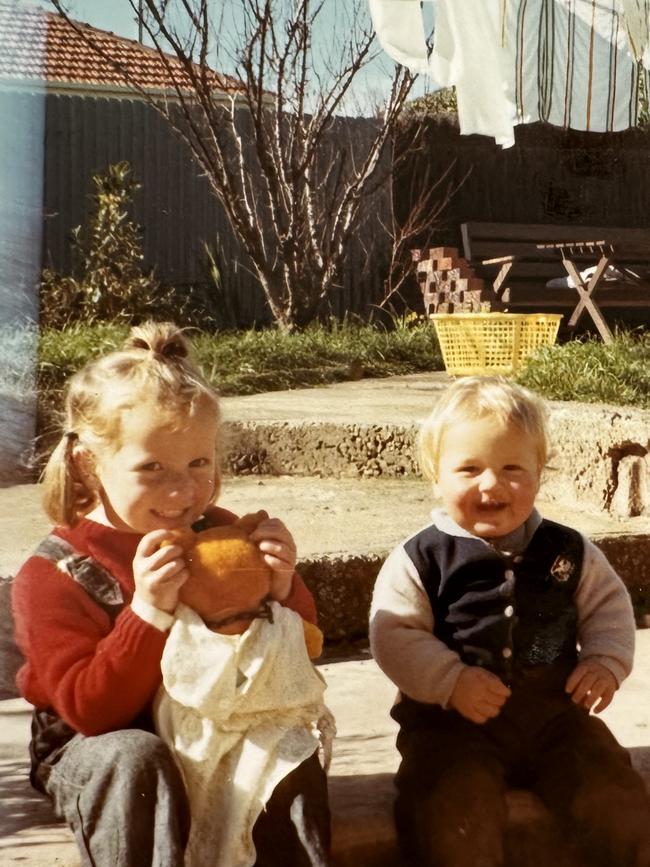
(571, 63)
(469, 53)
(637, 24)
(399, 27)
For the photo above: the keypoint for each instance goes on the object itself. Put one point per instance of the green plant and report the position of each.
(592, 371)
(439, 103)
(108, 282)
(223, 299)
(245, 362)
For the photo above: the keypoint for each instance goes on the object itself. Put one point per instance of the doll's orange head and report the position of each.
(228, 573)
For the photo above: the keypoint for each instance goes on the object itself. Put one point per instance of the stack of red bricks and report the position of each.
(448, 282)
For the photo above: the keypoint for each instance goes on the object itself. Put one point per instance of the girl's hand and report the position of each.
(279, 550)
(159, 573)
(591, 682)
(478, 695)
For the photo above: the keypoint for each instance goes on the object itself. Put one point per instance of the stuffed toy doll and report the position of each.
(241, 704)
(229, 579)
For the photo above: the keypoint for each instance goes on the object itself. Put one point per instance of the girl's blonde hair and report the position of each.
(475, 397)
(155, 364)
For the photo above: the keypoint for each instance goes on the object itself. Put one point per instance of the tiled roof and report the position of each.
(37, 45)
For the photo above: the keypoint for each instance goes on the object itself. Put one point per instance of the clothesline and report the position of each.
(571, 63)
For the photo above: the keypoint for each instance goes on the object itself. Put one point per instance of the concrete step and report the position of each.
(344, 528)
(361, 790)
(368, 429)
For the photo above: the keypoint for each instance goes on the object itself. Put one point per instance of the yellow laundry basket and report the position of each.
(484, 343)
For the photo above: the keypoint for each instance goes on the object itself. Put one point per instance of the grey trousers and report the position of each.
(123, 797)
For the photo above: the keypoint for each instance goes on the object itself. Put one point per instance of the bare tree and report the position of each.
(428, 198)
(268, 139)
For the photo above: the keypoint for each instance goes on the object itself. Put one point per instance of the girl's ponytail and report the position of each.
(66, 495)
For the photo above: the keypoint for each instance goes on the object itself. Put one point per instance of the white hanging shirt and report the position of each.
(239, 713)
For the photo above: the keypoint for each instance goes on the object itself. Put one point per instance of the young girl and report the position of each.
(502, 631)
(94, 604)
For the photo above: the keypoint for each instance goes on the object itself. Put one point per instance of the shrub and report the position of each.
(108, 282)
(438, 103)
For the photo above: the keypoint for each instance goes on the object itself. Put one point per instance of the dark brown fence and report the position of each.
(549, 176)
(175, 207)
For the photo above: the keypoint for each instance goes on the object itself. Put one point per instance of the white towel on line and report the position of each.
(399, 27)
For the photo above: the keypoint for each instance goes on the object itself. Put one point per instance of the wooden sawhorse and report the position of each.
(586, 289)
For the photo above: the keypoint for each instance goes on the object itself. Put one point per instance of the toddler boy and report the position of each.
(502, 631)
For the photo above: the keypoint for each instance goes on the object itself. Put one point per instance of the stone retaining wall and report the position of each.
(600, 454)
(342, 586)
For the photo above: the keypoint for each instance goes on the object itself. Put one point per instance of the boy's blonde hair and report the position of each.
(155, 365)
(475, 397)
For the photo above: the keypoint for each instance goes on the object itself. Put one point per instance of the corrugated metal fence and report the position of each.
(550, 176)
(175, 207)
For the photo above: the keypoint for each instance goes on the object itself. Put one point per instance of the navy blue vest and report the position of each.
(506, 613)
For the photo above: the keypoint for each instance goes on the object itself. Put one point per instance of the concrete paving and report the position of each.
(368, 429)
(344, 528)
(328, 517)
(363, 764)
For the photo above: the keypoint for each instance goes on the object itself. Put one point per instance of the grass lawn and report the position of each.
(594, 372)
(248, 362)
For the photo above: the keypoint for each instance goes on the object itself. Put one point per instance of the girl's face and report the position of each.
(161, 476)
(488, 476)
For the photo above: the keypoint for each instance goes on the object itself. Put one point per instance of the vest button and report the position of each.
(509, 611)
(518, 559)
(509, 574)
(506, 653)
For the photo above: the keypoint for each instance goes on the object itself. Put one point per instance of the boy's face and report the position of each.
(488, 476)
(161, 477)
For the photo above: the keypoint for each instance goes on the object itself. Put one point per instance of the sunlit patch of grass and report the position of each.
(592, 371)
(247, 362)
(253, 361)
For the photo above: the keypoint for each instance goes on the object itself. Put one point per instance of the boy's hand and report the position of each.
(591, 682)
(159, 573)
(279, 550)
(478, 695)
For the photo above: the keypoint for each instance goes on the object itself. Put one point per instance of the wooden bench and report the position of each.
(518, 260)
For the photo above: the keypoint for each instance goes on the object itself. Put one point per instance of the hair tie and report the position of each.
(174, 349)
(171, 351)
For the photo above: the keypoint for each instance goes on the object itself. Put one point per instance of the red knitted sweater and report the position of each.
(97, 675)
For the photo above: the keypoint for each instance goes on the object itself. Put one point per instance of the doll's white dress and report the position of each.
(239, 712)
